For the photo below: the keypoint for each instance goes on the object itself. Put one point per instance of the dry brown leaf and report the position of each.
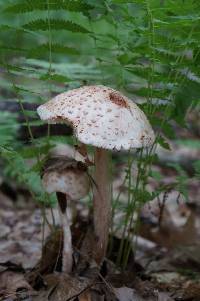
(11, 282)
(127, 294)
(85, 296)
(191, 290)
(42, 295)
(64, 287)
(164, 297)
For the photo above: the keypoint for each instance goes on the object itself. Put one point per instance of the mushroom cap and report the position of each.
(66, 150)
(100, 116)
(66, 176)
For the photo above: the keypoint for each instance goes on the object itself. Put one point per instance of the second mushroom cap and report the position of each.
(67, 176)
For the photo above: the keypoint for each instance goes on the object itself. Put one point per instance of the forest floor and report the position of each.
(166, 264)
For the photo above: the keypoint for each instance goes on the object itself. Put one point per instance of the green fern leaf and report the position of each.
(9, 48)
(161, 140)
(197, 169)
(4, 28)
(43, 25)
(55, 77)
(30, 6)
(55, 48)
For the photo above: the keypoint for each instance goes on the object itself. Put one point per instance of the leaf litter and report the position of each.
(167, 272)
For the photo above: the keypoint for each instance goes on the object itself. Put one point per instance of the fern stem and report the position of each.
(151, 42)
(121, 247)
(21, 105)
(50, 60)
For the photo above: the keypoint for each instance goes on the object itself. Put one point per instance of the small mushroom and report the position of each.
(69, 179)
(102, 117)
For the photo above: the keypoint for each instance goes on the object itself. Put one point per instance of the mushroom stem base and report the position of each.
(67, 252)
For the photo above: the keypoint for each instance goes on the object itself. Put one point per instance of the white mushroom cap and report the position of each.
(100, 116)
(67, 177)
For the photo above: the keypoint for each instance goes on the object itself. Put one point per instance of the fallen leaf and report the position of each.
(85, 296)
(64, 287)
(127, 294)
(167, 277)
(12, 283)
(164, 297)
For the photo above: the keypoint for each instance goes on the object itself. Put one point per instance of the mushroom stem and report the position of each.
(102, 203)
(67, 259)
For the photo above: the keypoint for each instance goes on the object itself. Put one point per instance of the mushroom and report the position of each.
(102, 117)
(66, 150)
(69, 179)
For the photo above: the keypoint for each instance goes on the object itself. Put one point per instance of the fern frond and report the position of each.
(56, 24)
(197, 169)
(5, 27)
(55, 77)
(30, 6)
(55, 48)
(10, 48)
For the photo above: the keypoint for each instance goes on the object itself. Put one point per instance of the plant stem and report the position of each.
(102, 204)
(121, 247)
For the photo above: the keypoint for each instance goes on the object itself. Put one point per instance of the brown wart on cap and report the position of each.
(109, 109)
(118, 99)
(69, 179)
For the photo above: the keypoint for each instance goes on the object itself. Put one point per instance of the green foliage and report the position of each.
(197, 169)
(163, 142)
(21, 7)
(8, 127)
(19, 169)
(43, 50)
(181, 180)
(55, 25)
